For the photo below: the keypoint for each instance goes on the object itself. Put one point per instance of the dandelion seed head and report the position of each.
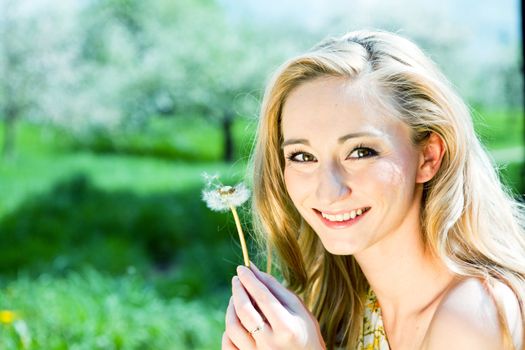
(212, 180)
(240, 195)
(226, 190)
(219, 197)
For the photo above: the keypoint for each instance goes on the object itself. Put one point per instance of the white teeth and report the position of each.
(343, 217)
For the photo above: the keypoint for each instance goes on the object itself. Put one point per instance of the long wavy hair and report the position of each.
(469, 219)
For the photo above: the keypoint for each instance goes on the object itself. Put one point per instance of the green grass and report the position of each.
(106, 311)
(171, 238)
(189, 138)
(44, 156)
(29, 174)
(91, 311)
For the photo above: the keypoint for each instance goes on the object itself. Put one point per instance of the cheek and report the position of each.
(293, 184)
(388, 174)
(393, 177)
(298, 185)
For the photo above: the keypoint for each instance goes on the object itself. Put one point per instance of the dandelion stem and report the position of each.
(241, 236)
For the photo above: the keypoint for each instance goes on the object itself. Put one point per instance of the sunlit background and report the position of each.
(110, 110)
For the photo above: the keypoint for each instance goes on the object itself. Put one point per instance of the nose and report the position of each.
(331, 185)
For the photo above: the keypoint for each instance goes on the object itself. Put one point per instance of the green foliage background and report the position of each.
(105, 242)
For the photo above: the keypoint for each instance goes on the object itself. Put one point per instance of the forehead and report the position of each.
(336, 105)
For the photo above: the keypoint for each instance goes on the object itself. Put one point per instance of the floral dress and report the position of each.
(372, 331)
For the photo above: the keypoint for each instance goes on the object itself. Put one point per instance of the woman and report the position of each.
(388, 221)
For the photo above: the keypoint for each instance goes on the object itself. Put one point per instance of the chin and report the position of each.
(339, 249)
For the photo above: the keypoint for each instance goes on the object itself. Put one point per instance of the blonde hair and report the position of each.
(469, 219)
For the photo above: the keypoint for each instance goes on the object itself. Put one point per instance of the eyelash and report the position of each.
(295, 153)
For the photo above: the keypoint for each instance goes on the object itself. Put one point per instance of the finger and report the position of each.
(226, 343)
(236, 332)
(284, 295)
(276, 314)
(244, 308)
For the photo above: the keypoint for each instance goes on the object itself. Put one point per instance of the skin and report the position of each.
(382, 170)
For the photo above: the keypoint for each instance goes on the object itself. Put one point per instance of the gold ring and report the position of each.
(257, 329)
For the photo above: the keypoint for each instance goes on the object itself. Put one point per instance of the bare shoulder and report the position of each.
(467, 317)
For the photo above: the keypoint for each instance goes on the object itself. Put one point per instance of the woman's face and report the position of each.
(350, 167)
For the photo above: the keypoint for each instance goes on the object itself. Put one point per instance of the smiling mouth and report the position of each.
(343, 216)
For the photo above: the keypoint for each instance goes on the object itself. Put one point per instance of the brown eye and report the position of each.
(301, 157)
(362, 152)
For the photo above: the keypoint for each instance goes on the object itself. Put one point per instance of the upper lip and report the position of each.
(338, 212)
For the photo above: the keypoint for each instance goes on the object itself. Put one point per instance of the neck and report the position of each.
(406, 278)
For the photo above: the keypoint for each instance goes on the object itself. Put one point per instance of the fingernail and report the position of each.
(235, 279)
(241, 269)
(254, 266)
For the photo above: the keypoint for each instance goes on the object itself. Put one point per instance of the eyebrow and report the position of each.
(340, 140)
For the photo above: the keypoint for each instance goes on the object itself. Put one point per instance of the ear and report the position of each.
(430, 157)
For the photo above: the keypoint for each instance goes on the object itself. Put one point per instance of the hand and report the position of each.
(262, 314)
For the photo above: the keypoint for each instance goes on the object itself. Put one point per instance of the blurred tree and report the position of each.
(108, 64)
(102, 54)
(36, 58)
(185, 59)
(105, 65)
(224, 66)
(18, 69)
